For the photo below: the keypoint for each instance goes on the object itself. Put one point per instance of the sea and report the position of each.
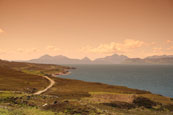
(157, 79)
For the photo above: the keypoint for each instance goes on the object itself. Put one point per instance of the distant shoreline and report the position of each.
(137, 74)
(61, 73)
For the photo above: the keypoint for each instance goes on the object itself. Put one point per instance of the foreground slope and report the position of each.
(67, 97)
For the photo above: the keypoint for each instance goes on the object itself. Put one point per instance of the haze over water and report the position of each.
(157, 79)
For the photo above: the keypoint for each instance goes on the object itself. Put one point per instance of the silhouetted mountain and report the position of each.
(159, 56)
(114, 59)
(86, 60)
(46, 59)
(133, 61)
(164, 59)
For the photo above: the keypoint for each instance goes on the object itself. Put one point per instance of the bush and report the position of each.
(121, 105)
(145, 102)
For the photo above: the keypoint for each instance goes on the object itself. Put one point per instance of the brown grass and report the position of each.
(25, 76)
(67, 88)
(19, 81)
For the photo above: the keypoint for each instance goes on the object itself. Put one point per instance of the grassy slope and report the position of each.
(74, 96)
(67, 88)
(25, 76)
(18, 81)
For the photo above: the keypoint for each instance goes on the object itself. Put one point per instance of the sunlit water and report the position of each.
(155, 78)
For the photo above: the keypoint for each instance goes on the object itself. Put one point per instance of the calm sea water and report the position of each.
(155, 78)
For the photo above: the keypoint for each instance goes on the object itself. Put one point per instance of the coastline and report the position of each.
(67, 73)
(129, 76)
(61, 73)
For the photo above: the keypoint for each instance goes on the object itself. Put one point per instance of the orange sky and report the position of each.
(79, 28)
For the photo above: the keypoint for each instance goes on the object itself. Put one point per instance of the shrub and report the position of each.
(145, 102)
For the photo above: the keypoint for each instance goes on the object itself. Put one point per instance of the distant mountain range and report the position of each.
(113, 59)
(47, 59)
(163, 59)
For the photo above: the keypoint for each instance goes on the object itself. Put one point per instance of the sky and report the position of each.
(79, 28)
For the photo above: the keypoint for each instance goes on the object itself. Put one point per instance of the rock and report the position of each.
(55, 102)
(66, 101)
(45, 105)
(28, 97)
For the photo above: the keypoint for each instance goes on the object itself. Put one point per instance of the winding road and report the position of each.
(52, 82)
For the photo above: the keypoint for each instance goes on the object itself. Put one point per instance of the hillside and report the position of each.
(20, 80)
(25, 76)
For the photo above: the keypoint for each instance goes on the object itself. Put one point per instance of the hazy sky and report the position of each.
(79, 28)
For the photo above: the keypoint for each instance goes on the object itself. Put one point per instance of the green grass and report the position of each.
(4, 111)
(101, 93)
(8, 94)
(33, 72)
(25, 111)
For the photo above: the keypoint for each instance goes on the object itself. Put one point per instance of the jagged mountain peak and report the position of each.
(60, 56)
(60, 59)
(86, 58)
(46, 56)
